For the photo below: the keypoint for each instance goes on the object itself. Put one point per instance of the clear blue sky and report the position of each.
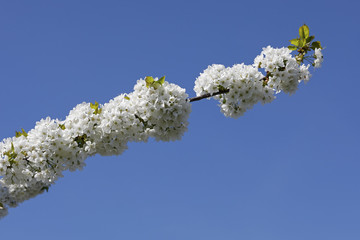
(288, 170)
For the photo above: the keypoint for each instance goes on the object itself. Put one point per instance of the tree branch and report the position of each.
(207, 95)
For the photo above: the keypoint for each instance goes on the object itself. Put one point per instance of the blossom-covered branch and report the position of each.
(30, 162)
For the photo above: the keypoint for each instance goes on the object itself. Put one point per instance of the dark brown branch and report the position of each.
(208, 95)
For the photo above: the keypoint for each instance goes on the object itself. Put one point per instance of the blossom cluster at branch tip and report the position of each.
(31, 162)
(247, 85)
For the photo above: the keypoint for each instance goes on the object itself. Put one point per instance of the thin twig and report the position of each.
(207, 95)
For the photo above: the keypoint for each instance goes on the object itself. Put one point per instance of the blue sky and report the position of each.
(286, 170)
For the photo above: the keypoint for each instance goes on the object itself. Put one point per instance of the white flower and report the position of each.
(318, 58)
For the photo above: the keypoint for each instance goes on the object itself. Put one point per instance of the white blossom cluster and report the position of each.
(31, 162)
(244, 84)
(248, 86)
(318, 58)
(286, 73)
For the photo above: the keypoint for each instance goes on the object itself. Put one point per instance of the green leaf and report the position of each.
(302, 42)
(149, 80)
(22, 133)
(127, 98)
(281, 69)
(292, 48)
(295, 41)
(156, 85)
(161, 80)
(221, 88)
(98, 111)
(304, 31)
(12, 155)
(81, 140)
(315, 45)
(94, 106)
(309, 39)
